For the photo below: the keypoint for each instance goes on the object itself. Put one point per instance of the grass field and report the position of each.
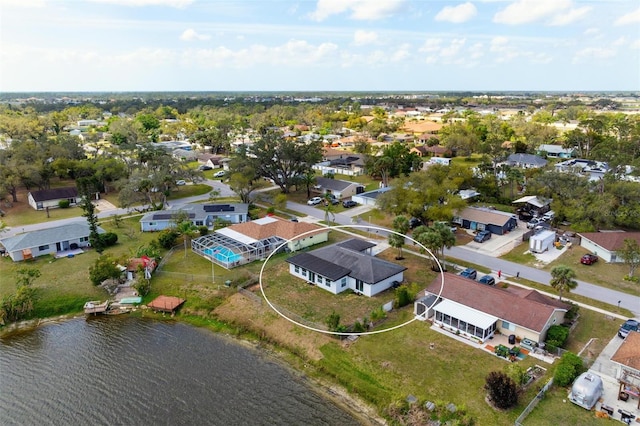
(609, 275)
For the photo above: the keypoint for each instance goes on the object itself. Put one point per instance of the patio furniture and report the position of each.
(607, 409)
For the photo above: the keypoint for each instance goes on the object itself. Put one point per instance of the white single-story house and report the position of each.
(184, 155)
(346, 265)
(198, 214)
(48, 241)
(246, 242)
(526, 161)
(478, 310)
(606, 244)
(556, 151)
(339, 188)
(210, 160)
(340, 163)
(627, 358)
(594, 170)
(369, 198)
(51, 198)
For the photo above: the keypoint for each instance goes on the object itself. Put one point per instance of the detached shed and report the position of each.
(586, 390)
(542, 241)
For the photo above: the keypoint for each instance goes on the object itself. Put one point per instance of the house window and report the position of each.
(43, 248)
(327, 282)
(508, 326)
(304, 272)
(360, 285)
(199, 223)
(343, 282)
(319, 279)
(296, 268)
(84, 239)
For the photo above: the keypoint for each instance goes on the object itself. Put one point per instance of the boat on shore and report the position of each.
(96, 307)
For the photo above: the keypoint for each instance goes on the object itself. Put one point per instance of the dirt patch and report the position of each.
(266, 323)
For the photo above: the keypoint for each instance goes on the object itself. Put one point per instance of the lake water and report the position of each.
(132, 371)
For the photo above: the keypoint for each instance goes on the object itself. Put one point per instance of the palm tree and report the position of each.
(401, 226)
(563, 279)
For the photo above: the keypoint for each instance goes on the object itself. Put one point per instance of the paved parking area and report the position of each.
(498, 244)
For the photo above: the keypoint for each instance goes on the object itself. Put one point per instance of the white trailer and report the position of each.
(542, 241)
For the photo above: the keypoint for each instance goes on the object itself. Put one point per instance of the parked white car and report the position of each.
(314, 201)
(221, 173)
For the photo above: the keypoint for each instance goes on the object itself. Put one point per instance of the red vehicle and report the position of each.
(588, 259)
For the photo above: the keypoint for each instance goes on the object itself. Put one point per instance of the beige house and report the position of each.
(246, 242)
(477, 310)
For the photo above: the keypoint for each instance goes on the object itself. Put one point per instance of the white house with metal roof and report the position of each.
(198, 214)
(339, 188)
(48, 241)
(346, 265)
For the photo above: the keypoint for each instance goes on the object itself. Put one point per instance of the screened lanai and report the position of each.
(229, 248)
(470, 322)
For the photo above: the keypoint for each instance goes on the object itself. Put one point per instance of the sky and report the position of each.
(319, 45)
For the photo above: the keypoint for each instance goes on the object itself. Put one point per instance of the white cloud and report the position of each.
(141, 3)
(23, 3)
(590, 54)
(191, 35)
(570, 16)
(620, 41)
(498, 43)
(457, 14)
(525, 11)
(592, 32)
(629, 18)
(402, 53)
(636, 44)
(370, 10)
(361, 37)
(431, 45)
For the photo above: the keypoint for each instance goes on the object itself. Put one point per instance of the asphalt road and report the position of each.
(507, 268)
(589, 290)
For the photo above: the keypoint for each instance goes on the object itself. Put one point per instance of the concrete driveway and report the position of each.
(498, 244)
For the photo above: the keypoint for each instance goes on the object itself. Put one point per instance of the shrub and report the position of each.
(568, 369)
(378, 314)
(502, 390)
(203, 230)
(167, 238)
(516, 373)
(572, 313)
(64, 204)
(333, 321)
(557, 336)
(402, 297)
(108, 239)
(358, 327)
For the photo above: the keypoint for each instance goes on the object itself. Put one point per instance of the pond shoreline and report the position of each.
(360, 410)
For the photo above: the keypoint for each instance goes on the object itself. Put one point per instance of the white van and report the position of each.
(549, 215)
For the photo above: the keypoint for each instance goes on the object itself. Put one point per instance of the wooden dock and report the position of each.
(166, 303)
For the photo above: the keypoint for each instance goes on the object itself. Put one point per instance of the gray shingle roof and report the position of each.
(46, 236)
(319, 266)
(361, 266)
(334, 184)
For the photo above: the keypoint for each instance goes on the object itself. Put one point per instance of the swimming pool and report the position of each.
(223, 254)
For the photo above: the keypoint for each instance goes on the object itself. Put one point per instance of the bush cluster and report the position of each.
(568, 369)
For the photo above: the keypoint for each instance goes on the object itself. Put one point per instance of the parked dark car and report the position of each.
(348, 204)
(588, 259)
(482, 236)
(487, 279)
(414, 222)
(469, 273)
(628, 326)
(331, 199)
(205, 167)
